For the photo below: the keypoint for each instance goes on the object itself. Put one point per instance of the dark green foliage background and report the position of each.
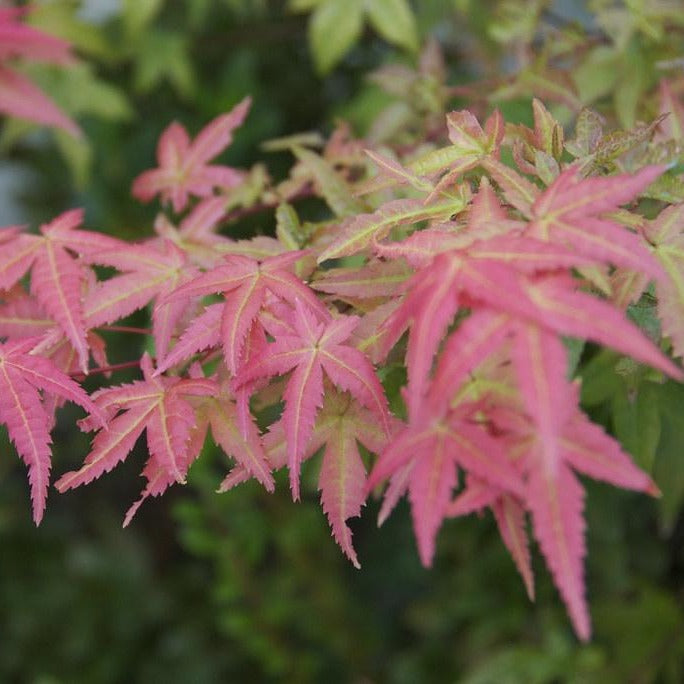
(247, 586)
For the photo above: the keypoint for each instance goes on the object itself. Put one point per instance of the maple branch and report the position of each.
(267, 32)
(209, 355)
(243, 212)
(126, 329)
(78, 375)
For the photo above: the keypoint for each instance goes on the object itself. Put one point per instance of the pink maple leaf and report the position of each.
(245, 284)
(18, 96)
(311, 348)
(485, 271)
(218, 410)
(560, 438)
(340, 424)
(22, 375)
(57, 275)
(183, 165)
(553, 438)
(342, 478)
(148, 271)
(571, 211)
(454, 281)
(156, 404)
(422, 458)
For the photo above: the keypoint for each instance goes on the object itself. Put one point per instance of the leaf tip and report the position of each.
(64, 483)
(294, 486)
(38, 511)
(653, 490)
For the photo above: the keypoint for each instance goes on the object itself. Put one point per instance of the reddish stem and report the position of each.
(106, 369)
(126, 329)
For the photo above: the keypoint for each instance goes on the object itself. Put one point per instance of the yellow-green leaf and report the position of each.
(78, 91)
(394, 21)
(302, 5)
(360, 231)
(60, 19)
(137, 14)
(78, 155)
(288, 227)
(331, 185)
(163, 55)
(334, 27)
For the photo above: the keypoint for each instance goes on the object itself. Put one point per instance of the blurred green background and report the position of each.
(247, 586)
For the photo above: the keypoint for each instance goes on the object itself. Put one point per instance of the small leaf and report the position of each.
(330, 184)
(19, 97)
(588, 131)
(362, 229)
(637, 422)
(288, 226)
(137, 15)
(334, 27)
(163, 55)
(394, 21)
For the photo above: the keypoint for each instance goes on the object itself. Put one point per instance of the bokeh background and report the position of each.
(246, 586)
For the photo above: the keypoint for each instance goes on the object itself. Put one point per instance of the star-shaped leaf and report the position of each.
(183, 165)
(22, 375)
(313, 348)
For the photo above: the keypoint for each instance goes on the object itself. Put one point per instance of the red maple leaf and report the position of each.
(557, 439)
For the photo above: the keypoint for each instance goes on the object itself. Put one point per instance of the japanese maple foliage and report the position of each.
(472, 274)
(22, 376)
(183, 168)
(18, 95)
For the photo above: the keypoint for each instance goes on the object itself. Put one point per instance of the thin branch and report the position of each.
(78, 375)
(125, 329)
(243, 212)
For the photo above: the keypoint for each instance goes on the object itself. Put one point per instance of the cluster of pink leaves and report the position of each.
(486, 292)
(18, 95)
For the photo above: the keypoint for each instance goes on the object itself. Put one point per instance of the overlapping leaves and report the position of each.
(474, 294)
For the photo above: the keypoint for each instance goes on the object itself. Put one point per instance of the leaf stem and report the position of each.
(126, 329)
(78, 375)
